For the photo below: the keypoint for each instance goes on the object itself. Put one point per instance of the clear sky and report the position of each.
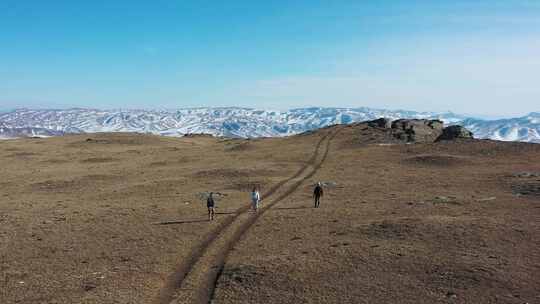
(473, 57)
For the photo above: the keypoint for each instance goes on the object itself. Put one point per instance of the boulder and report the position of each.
(384, 123)
(417, 130)
(455, 132)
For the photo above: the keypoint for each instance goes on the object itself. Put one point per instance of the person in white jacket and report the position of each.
(255, 199)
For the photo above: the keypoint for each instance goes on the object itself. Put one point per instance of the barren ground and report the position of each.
(118, 218)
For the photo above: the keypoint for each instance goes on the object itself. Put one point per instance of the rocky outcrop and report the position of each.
(455, 132)
(384, 123)
(417, 130)
(412, 130)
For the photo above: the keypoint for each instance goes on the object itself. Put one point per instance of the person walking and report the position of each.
(210, 204)
(317, 194)
(255, 199)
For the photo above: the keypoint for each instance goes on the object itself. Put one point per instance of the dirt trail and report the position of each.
(193, 281)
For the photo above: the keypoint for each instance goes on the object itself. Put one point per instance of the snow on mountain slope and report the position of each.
(8, 133)
(242, 122)
(525, 128)
(234, 122)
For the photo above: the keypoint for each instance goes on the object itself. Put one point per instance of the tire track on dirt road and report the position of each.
(213, 251)
(207, 297)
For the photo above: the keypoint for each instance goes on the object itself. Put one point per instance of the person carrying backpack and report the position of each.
(255, 199)
(317, 194)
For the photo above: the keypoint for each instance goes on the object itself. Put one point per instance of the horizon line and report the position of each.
(169, 110)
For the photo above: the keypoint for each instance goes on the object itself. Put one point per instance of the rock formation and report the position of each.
(455, 132)
(417, 130)
(384, 123)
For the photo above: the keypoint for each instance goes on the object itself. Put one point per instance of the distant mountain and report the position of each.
(239, 122)
(525, 128)
(7, 132)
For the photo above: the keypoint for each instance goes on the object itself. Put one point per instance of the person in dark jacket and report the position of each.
(317, 194)
(210, 204)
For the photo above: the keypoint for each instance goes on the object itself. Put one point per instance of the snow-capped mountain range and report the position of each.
(240, 122)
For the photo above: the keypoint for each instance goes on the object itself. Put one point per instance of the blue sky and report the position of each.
(473, 57)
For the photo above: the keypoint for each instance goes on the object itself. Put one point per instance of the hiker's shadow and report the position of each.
(227, 213)
(180, 222)
(292, 208)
